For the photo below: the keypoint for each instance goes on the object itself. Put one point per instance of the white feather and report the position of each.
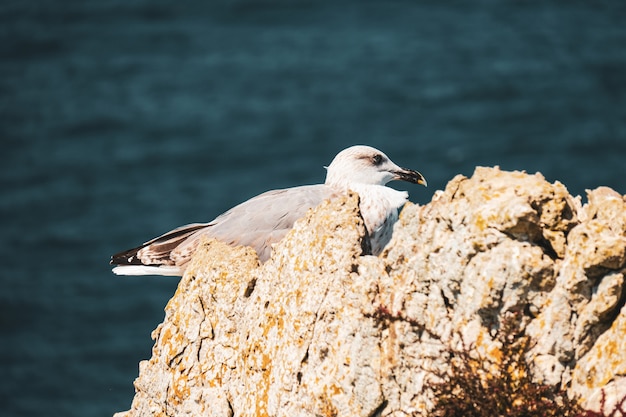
(172, 271)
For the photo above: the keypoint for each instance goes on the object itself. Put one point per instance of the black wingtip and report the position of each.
(127, 257)
(162, 245)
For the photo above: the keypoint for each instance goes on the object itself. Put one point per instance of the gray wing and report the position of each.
(258, 222)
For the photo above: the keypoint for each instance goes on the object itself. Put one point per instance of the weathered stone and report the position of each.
(609, 399)
(320, 329)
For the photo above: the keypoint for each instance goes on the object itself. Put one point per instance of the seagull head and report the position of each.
(366, 165)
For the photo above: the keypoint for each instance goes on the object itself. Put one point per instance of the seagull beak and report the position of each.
(409, 175)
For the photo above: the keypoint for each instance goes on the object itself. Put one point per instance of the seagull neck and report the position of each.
(346, 186)
(366, 192)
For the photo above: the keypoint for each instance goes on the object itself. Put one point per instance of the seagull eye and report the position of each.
(377, 159)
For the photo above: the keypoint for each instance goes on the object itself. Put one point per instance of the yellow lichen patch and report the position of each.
(480, 222)
(611, 353)
(215, 382)
(496, 354)
(172, 342)
(335, 389)
(327, 408)
(605, 361)
(262, 393)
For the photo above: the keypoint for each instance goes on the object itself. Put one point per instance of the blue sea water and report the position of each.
(120, 120)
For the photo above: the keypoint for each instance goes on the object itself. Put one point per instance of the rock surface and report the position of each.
(301, 335)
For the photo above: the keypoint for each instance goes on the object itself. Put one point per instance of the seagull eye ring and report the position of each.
(377, 159)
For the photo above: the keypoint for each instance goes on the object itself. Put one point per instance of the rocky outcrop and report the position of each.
(320, 329)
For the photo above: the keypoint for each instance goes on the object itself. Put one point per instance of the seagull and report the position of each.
(265, 219)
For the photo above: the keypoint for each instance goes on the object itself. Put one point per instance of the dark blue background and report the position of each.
(120, 120)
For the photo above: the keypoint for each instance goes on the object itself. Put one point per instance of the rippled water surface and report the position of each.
(121, 120)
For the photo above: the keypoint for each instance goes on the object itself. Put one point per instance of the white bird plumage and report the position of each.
(265, 219)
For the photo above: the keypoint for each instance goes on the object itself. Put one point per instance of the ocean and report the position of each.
(121, 120)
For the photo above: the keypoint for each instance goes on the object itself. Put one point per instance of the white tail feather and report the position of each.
(173, 271)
